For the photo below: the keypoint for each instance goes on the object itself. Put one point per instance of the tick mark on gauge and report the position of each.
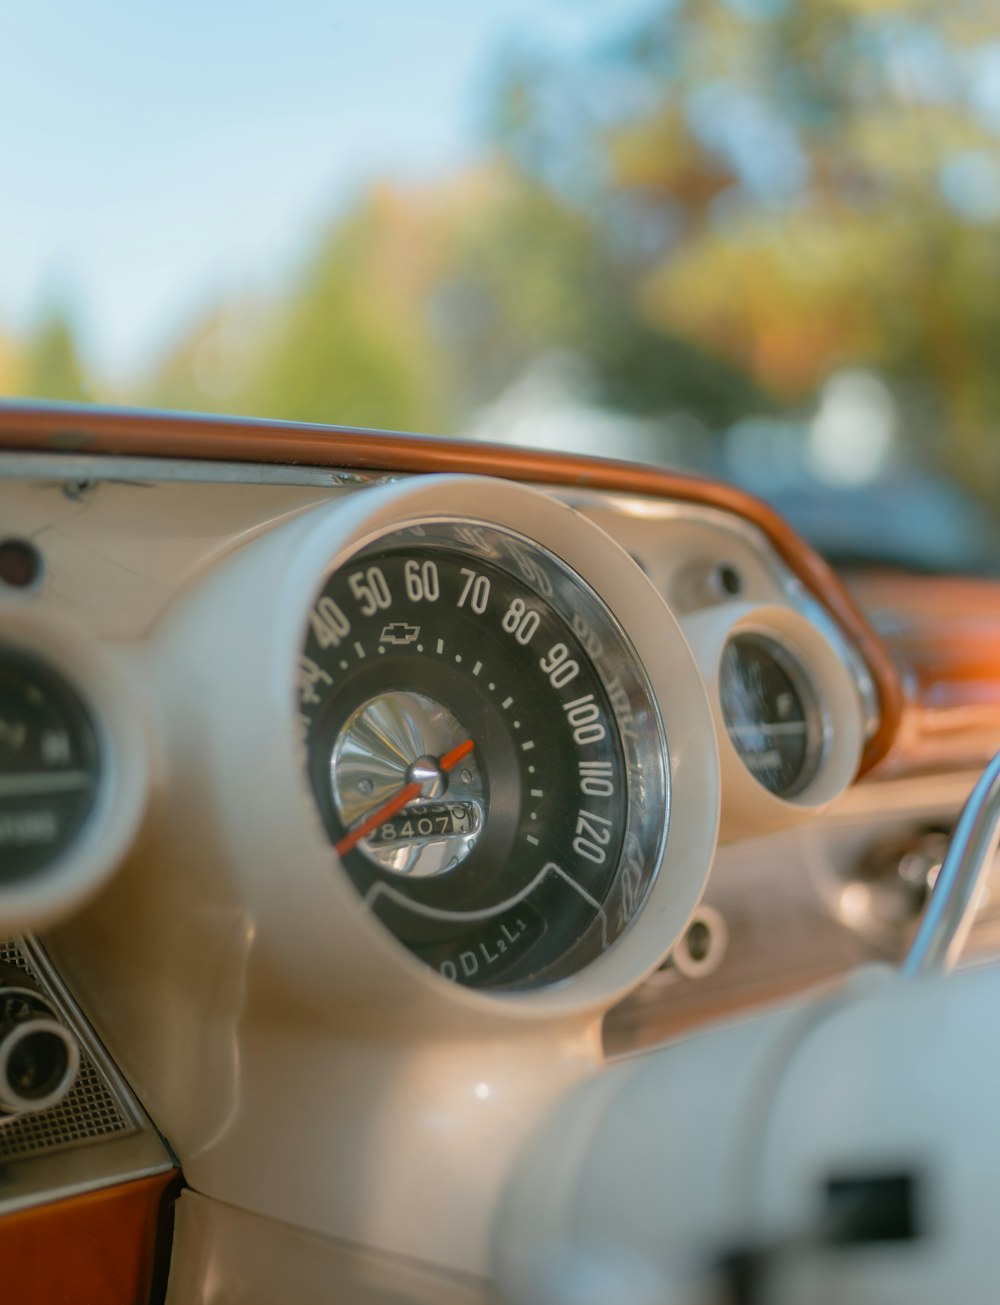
(537, 792)
(506, 703)
(458, 659)
(33, 783)
(477, 668)
(517, 724)
(343, 666)
(359, 650)
(492, 687)
(440, 646)
(526, 747)
(531, 770)
(420, 647)
(532, 839)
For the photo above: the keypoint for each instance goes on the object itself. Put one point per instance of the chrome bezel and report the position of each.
(618, 666)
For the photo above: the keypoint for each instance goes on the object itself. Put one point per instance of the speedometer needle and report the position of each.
(395, 804)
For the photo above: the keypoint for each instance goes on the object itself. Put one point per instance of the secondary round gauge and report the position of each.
(485, 752)
(771, 713)
(49, 765)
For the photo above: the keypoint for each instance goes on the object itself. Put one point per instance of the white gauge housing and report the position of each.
(832, 706)
(256, 607)
(80, 869)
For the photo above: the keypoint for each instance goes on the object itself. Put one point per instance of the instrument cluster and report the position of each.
(347, 805)
(508, 736)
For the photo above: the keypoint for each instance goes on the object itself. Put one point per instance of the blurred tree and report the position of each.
(49, 365)
(800, 187)
(348, 342)
(213, 362)
(714, 211)
(420, 306)
(9, 365)
(533, 275)
(353, 344)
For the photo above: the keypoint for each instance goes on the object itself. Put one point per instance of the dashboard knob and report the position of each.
(39, 1056)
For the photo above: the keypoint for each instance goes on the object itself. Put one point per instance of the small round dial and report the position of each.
(771, 712)
(484, 750)
(49, 765)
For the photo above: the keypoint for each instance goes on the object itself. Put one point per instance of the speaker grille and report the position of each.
(88, 1113)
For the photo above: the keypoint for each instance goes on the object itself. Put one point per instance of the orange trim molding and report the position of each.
(944, 635)
(102, 1248)
(56, 428)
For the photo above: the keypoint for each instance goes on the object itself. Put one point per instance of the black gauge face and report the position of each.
(771, 713)
(49, 765)
(484, 751)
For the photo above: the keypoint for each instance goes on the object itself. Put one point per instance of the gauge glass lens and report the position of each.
(49, 765)
(771, 713)
(485, 752)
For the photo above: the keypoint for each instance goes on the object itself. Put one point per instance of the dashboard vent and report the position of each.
(88, 1113)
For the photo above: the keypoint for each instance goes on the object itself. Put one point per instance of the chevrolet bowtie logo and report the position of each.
(400, 633)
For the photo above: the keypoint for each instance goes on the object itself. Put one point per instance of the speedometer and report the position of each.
(485, 751)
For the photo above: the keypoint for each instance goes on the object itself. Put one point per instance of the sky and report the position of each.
(157, 153)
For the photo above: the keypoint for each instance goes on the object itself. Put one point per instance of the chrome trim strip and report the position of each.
(42, 1179)
(81, 469)
(949, 913)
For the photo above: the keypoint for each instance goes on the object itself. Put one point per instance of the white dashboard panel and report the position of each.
(230, 965)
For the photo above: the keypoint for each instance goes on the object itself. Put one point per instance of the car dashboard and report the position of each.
(362, 795)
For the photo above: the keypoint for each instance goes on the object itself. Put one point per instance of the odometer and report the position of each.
(484, 750)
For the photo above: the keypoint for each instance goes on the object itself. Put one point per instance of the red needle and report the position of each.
(395, 804)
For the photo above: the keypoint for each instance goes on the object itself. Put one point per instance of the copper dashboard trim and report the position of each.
(106, 1247)
(943, 633)
(30, 427)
